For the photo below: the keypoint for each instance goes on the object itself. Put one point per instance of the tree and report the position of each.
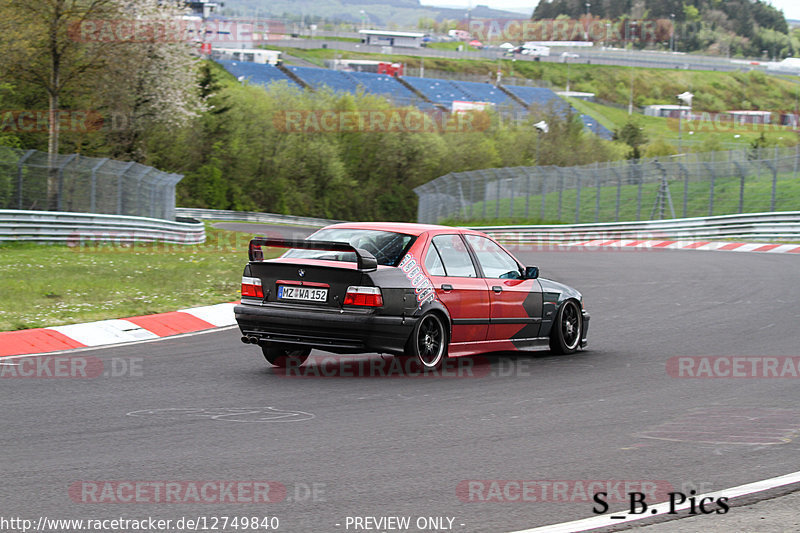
(150, 79)
(633, 135)
(39, 49)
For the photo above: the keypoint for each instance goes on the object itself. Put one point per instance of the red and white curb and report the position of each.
(759, 247)
(117, 331)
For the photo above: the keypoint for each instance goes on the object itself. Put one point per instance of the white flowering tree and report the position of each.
(150, 79)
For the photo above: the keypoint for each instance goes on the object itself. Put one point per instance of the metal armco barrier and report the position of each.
(78, 228)
(251, 216)
(751, 226)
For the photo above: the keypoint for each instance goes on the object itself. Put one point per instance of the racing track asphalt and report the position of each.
(400, 446)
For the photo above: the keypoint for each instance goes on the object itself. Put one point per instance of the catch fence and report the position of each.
(34, 180)
(687, 185)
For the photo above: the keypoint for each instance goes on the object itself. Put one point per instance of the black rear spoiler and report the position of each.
(365, 260)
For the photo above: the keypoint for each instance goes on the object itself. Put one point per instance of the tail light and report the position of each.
(252, 287)
(367, 296)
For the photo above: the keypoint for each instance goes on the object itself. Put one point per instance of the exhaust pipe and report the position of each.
(250, 339)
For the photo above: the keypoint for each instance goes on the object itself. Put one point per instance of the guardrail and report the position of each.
(251, 216)
(79, 228)
(759, 226)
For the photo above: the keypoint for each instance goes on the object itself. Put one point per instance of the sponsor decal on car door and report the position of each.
(459, 288)
(516, 303)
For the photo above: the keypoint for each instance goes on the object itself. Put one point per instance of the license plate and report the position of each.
(307, 294)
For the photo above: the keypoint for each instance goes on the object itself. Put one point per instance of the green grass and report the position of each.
(528, 210)
(48, 285)
(659, 128)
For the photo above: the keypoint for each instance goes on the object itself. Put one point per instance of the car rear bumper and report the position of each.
(335, 330)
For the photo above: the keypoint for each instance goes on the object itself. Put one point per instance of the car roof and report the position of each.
(401, 227)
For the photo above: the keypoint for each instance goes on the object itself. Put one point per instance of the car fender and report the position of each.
(554, 294)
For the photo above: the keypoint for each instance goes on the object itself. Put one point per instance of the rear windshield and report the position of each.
(387, 247)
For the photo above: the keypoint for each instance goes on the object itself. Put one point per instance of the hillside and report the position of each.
(396, 13)
(733, 27)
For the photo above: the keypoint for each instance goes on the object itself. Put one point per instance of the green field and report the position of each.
(49, 285)
(706, 137)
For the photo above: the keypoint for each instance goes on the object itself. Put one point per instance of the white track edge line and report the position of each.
(597, 522)
(121, 344)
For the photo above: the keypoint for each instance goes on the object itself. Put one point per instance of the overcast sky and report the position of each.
(791, 8)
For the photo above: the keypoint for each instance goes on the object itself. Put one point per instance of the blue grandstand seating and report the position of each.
(385, 85)
(321, 77)
(595, 127)
(255, 72)
(538, 96)
(441, 92)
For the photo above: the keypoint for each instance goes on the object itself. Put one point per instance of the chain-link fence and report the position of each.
(688, 185)
(35, 180)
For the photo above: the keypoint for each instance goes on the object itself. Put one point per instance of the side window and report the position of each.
(433, 263)
(495, 262)
(455, 256)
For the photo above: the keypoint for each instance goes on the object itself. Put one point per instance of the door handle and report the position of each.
(497, 288)
(447, 287)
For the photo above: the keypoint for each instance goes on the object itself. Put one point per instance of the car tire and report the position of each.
(565, 335)
(429, 341)
(284, 356)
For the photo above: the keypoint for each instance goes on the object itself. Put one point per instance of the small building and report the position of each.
(249, 55)
(406, 39)
(751, 117)
(667, 110)
(589, 97)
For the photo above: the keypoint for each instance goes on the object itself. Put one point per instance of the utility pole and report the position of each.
(630, 95)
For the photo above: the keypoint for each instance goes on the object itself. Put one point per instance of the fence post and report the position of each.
(543, 179)
(472, 177)
(619, 191)
(497, 200)
(640, 178)
(61, 179)
(685, 172)
(710, 170)
(577, 175)
(560, 190)
(93, 193)
(771, 165)
(527, 192)
(438, 201)
(484, 186)
(19, 176)
(511, 200)
(119, 185)
(740, 168)
(597, 195)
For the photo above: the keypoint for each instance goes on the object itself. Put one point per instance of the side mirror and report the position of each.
(531, 272)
